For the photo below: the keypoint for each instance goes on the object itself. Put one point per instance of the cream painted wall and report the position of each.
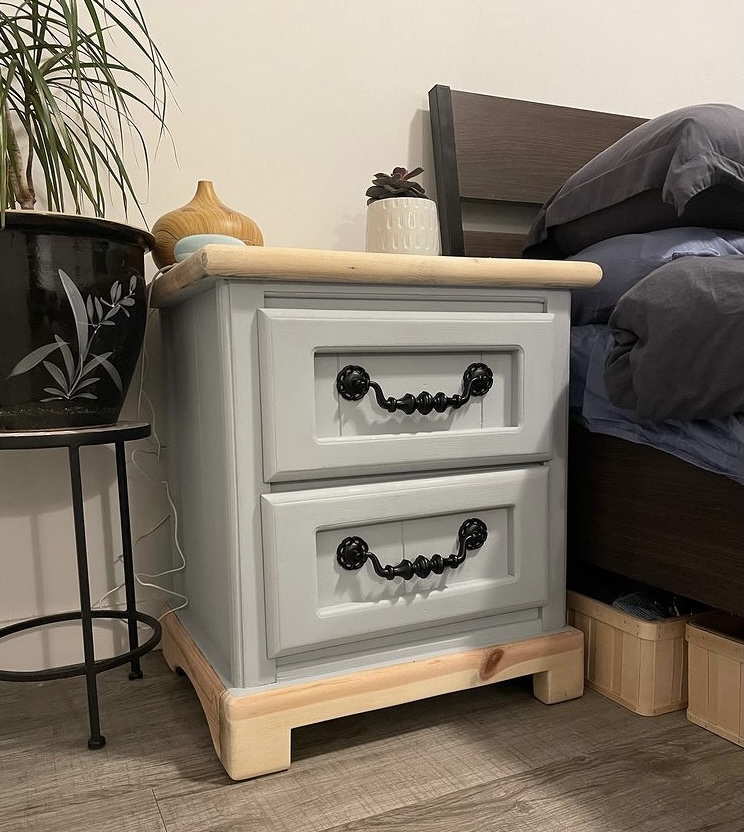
(290, 107)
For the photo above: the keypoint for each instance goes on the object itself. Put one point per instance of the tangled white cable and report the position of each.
(138, 576)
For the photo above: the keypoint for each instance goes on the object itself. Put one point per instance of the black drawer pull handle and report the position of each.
(353, 383)
(353, 552)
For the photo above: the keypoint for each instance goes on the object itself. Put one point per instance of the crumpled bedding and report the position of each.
(714, 444)
(678, 348)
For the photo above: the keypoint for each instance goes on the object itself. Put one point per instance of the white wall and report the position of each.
(290, 108)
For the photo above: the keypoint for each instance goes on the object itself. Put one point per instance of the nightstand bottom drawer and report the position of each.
(346, 564)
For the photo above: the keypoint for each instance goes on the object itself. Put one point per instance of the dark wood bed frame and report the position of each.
(635, 511)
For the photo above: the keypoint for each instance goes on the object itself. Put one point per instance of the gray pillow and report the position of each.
(682, 168)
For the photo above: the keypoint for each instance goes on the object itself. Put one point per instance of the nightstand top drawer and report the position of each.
(307, 265)
(352, 393)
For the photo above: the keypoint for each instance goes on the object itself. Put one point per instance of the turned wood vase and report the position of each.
(205, 214)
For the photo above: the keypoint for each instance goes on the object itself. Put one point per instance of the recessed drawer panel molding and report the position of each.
(313, 601)
(316, 432)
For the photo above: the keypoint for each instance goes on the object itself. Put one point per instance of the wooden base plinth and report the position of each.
(251, 732)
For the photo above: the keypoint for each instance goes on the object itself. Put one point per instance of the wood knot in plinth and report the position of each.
(490, 664)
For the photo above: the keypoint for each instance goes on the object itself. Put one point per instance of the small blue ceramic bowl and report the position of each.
(188, 245)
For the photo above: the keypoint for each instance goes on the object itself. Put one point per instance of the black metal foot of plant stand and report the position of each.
(73, 439)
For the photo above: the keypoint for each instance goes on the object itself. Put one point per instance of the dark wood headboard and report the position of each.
(498, 159)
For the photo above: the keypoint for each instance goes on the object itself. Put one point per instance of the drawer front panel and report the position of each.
(312, 601)
(310, 430)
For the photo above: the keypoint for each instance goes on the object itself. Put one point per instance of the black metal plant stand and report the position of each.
(73, 439)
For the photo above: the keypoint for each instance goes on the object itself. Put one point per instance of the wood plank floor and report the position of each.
(487, 759)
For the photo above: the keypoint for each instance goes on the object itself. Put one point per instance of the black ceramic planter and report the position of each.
(72, 319)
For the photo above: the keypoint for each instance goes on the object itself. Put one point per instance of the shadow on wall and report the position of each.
(421, 150)
(350, 233)
(37, 542)
(37, 482)
(35, 494)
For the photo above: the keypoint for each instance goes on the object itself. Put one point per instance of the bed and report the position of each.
(666, 519)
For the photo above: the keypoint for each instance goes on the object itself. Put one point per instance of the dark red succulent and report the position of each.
(397, 183)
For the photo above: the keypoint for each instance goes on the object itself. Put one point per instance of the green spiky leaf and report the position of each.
(63, 86)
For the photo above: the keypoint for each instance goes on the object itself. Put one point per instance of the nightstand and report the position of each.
(368, 456)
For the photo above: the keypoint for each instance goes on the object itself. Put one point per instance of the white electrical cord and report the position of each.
(141, 395)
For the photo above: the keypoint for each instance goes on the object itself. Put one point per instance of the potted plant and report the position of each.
(401, 219)
(73, 308)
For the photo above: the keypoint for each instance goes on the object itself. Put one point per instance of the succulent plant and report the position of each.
(397, 183)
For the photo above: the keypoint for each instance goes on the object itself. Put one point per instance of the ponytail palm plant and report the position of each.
(74, 77)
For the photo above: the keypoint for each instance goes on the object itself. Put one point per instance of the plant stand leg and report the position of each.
(126, 543)
(96, 740)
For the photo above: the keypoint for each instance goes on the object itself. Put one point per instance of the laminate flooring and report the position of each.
(488, 759)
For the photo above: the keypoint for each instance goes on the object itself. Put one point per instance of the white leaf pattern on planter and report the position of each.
(73, 377)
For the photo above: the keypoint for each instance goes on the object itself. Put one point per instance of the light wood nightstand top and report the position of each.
(298, 265)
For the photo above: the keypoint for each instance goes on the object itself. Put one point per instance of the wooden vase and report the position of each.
(205, 214)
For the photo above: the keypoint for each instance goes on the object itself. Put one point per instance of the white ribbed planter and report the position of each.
(403, 225)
